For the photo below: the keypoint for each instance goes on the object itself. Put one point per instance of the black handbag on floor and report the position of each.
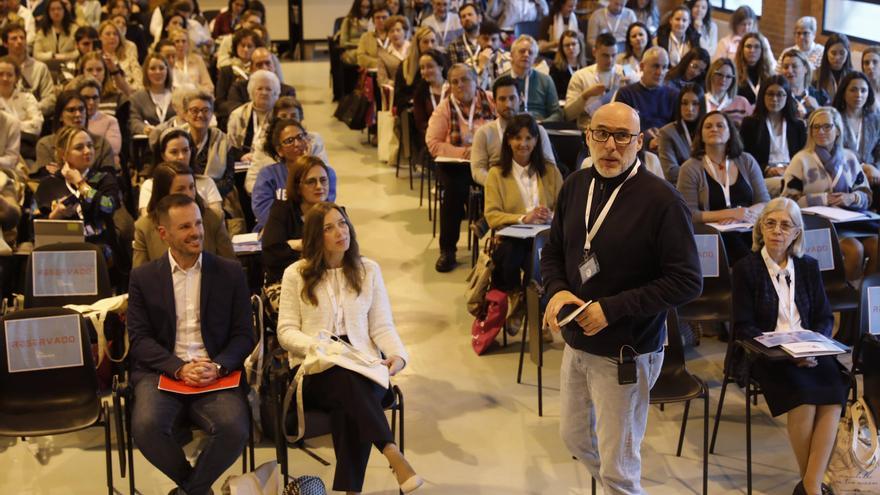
(305, 485)
(352, 110)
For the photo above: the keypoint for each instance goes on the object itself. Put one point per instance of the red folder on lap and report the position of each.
(167, 384)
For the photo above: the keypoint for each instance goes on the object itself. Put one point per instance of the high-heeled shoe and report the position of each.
(799, 489)
(412, 484)
(826, 490)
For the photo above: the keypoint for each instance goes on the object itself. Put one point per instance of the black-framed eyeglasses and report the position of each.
(314, 181)
(822, 127)
(721, 75)
(620, 137)
(298, 140)
(195, 112)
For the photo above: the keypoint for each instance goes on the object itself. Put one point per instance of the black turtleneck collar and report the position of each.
(753, 72)
(613, 182)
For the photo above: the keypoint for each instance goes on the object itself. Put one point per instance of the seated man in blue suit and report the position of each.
(189, 318)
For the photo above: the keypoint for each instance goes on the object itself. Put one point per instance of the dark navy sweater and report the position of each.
(646, 252)
(656, 106)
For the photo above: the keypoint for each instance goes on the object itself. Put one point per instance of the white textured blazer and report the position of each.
(368, 320)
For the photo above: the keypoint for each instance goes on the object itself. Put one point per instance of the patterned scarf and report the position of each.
(482, 109)
(832, 164)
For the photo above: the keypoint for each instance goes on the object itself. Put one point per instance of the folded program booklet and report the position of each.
(813, 349)
(169, 384)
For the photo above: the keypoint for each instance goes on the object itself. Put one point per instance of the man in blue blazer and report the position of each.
(189, 318)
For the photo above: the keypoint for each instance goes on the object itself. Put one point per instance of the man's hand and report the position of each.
(592, 319)
(199, 372)
(594, 90)
(555, 304)
(394, 364)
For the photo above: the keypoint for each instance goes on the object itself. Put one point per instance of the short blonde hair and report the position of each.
(796, 248)
(524, 38)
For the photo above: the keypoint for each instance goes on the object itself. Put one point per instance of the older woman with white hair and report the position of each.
(249, 121)
(189, 67)
(778, 289)
(805, 41)
(825, 173)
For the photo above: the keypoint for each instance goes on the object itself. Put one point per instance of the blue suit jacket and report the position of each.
(226, 320)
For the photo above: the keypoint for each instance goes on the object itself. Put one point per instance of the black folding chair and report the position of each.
(536, 342)
(104, 288)
(843, 297)
(867, 343)
(677, 384)
(37, 401)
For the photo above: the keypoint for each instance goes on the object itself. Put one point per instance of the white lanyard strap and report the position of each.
(591, 232)
(718, 105)
(161, 110)
(679, 46)
(526, 92)
(856, 134)
(725, 186)
(608, 16)
(755, 87)
(470, 119)
(384, 43)
(445, 29)
(434, 102)
(467, 46)
(500, 131)
(338, 313)
(779, 143)
(257, 126)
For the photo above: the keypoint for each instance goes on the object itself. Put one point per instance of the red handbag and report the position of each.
(487, 326)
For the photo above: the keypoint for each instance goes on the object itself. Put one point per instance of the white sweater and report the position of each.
(368, 320)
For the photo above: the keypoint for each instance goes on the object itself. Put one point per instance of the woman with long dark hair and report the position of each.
(568, 59)
(675, 138)
(176, 178)
(54, 41)
(522, 189)
(855, 100)
(701, 20)
(334, 290)
(774, 133)
(690, 70)
(646, 13)
(836, 63)
(638, 39)
(753, 65)
(676, 35)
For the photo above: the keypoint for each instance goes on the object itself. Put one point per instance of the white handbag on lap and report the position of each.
(855, 463)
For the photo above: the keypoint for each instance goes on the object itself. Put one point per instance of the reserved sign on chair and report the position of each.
(817, 243)
(43, 343)
(707, 248)
(65, 273)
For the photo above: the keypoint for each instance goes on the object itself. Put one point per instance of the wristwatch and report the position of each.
(221, 371)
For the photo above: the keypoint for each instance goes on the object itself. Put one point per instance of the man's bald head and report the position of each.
(610, 158)
(654, 64)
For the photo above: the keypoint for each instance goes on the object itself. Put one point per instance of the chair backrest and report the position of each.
(835, 277)
(673, 356)
(533, 322)
(869, 312)
(337, 24)
(70, 271)
(531, 28)
(537, 246)
(46, 365)
(716, 281)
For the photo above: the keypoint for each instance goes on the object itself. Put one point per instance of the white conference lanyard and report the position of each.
(338, 313)
(719, 105)
(257, 126)
(185, 68)
(679, 46)
(755, 87)
(500, 131)
(570, 70)
(802, 103)
(608, 17)
(788, 302)
(687, 133)
(445, 29)
(725, 187)
(384, 43)
(856, 134)
(526, 91)
(470, 119)
(161, 110)
(434, 102)
(591, 233)
(467, 46)
(779, 143)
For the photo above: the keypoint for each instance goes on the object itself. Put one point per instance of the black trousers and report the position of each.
(357, 420)
(511, 259)
(456, 181)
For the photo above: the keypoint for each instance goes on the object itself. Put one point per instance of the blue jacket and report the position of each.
(271, 184)
(656, 106)
(227, 322)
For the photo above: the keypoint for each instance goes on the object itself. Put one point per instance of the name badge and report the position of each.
(589, 267)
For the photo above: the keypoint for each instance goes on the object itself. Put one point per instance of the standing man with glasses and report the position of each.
(622, 240)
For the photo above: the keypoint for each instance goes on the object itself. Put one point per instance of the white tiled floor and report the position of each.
(470, 428)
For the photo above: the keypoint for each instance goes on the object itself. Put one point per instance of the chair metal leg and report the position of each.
(724, 382)
(705, 439)
(129, 445)
(120, 431)
(748, 434)
(522, 349)
(540, 394)
(684, 423)
(108, 453)
(251, 446)
(593, 486)
(400, 406)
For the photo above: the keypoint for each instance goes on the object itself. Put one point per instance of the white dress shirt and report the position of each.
(188, 343)
(528, 185)
(788, 317)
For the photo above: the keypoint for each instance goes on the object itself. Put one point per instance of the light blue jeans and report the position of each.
(602, 422)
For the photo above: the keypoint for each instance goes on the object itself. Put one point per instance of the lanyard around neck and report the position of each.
(336, 303)
(591, 232)
(778, 142)
(719, 105)
(687, 133)
(470, 119)
(725, 186)
(434, 102)
(856, 134)
(787, 303)
(608, 16)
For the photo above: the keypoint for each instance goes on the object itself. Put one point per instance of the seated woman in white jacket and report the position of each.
(333, 288)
